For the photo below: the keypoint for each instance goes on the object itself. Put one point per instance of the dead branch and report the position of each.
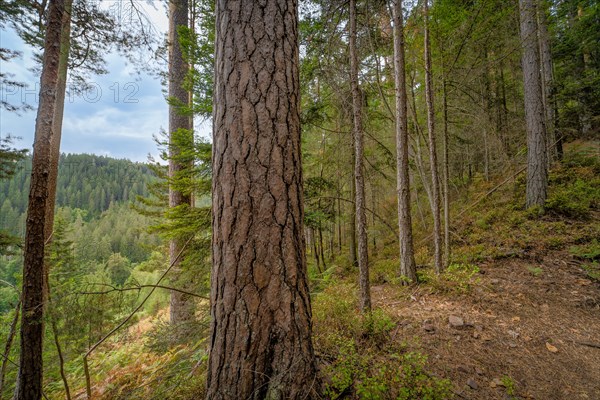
(139, 287)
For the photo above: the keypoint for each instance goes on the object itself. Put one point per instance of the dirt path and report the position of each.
(526, 332)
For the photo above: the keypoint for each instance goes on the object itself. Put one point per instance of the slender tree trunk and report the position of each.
(585, 114)
(332, 241)
(503, 112)
(486, 103)
(315, 250)
(486, 154)
(446, 181)
(339, 216)
(352, 238)
(322, 249)
(419, 157)
(9, 341)
(537, 172)
(63, 69)
(61, 359)
(435, 182)
(547, 80)
(361, 217)
(373, 207)
(29, 380)
(408, 267)
(260, 345)
(180, 128)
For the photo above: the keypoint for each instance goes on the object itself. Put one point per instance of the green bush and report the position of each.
(457, 278)
(398, 376)
(574, 200)
(590, 251)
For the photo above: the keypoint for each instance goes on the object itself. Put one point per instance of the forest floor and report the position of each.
(516, 333)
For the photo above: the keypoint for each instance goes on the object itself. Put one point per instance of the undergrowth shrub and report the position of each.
(575, 186)
(385, 271)
(590, 254)
(359, 359)
(574, 200)
(457, 278)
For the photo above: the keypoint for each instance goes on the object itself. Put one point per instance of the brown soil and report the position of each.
(530, 329)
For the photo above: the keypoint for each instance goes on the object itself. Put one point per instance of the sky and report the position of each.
(117, 117)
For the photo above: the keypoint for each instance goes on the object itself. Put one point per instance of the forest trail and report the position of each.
(526, 329)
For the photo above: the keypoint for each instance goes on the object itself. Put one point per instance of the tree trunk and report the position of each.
(261, 346)
(537, 173)
(29, 380)
(408, 266)
(361, 216)
(352, 238)
(322, 249)
(435, 182)
(547, 80)
(315, 250)
(7, 346)
(63, 69)
(446, 181)
(182, 305)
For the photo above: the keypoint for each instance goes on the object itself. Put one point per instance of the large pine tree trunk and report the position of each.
(260, 343)
(435, 182)
(407, 255)
(537, 173)
(182, 305)
(29, 380)
(360, 200)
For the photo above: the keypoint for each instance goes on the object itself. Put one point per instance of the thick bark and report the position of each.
(547, 80)
(408, 266)
(29, 380)
(182, 305)
(537, 173)
(435, 182)
(360, 200)
(261, 345)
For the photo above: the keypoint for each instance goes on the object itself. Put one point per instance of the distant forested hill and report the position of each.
(97, 236)
(87, 182)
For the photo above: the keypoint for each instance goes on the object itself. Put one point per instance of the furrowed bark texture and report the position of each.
(29, 380)
(182, 305)
(435, 182)
(537, 173)
(407, 256)
(360, 200)
(261, 344)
